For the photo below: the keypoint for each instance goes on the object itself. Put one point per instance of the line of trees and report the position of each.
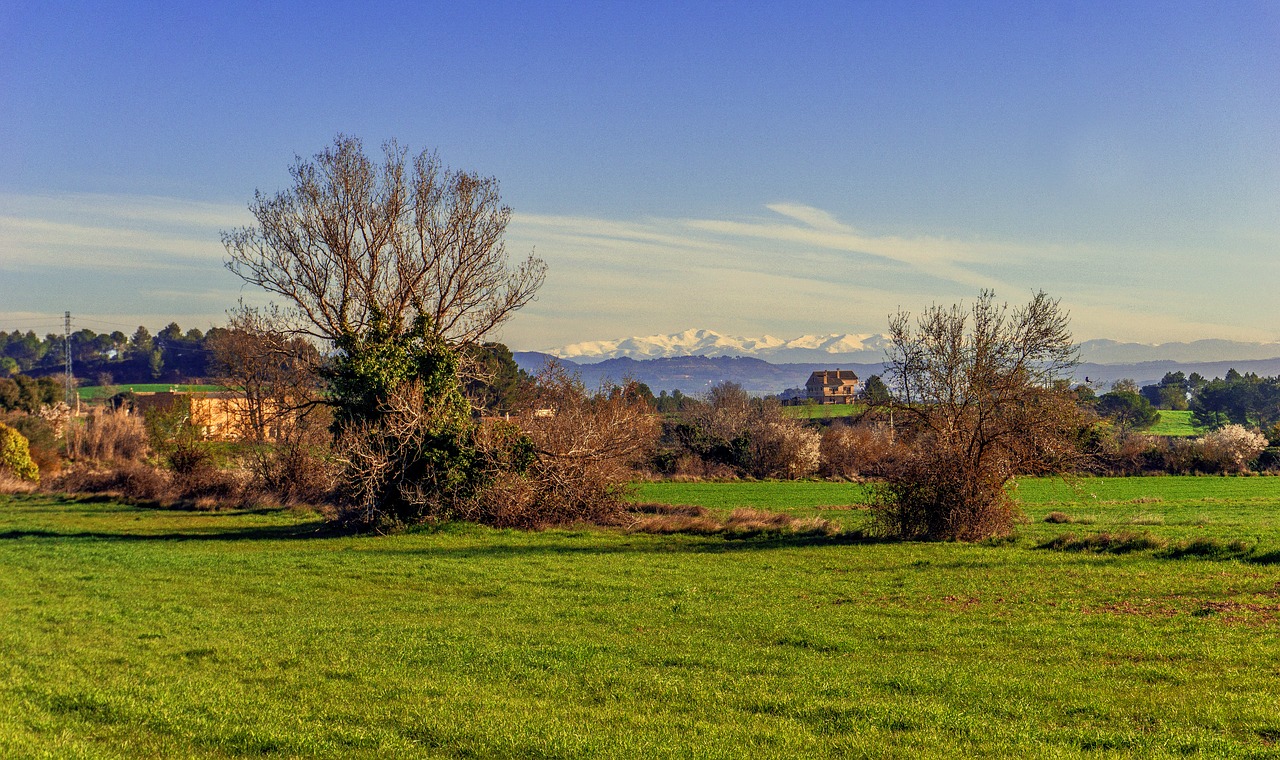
(170, 355)
(1247, 399)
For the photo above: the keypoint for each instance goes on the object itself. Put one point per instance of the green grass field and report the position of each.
(1178, 424)
(94, 392)
(145, 633)
(823, 411)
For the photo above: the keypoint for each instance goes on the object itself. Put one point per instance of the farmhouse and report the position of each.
(218, 416)
(831, 386)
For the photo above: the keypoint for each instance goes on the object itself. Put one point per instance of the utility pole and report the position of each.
(70, 379)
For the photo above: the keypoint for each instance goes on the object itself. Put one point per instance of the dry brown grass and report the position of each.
(107, 436)
(742, 522)
(11, 484)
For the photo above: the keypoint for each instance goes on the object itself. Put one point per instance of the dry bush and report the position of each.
(298, 466)
(851, 451)
(691, 467)
(784, 449)
(985, 394)
(929, 496)
(109, 436)
(567, 459)
(584, 450)
(204, 488)
(294, 472)
(209, 487)
(1133, 452)
(1181, 456)
(133, 481)
(406, 464)
(730, 434)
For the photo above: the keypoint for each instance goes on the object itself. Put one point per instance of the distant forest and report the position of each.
(171, 355)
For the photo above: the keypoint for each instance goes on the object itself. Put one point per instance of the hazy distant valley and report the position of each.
(693, 360)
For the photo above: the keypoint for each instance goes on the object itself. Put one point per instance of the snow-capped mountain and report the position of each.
(833, 347)
(867, 348)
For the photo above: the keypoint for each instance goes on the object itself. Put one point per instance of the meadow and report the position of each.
(133, 632)
(1176, 424)
(823, 411)
(95, 392)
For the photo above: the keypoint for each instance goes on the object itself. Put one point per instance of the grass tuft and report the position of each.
(1207, 548)
(1146, 519)
(1123, 542)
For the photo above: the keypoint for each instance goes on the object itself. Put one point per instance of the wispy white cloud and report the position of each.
(790, 269)
(802, 268)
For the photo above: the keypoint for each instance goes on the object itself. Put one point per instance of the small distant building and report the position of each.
(831, 386)
(218, 416)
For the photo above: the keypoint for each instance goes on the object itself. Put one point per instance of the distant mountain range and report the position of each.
(857, 348)
(694, 360)
(806, 348)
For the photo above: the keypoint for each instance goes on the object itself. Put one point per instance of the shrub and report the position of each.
(985, 393)
(850, 451)
(570, 465)
(15, 455)
(785, 449)
(1232, 448)
(134, 481)
(927, 496)
(294, 472)
(42, 441)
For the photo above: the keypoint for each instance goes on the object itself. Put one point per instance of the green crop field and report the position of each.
(130, 632)
(93, 392)
(1177, 424)
(822, 411)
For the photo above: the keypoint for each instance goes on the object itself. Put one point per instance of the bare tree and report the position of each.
(274, 372)
(399, 265)
(353, 242)
(984, 393)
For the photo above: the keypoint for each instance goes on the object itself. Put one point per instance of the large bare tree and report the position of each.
(353, 242)
(984, 395)
(400, 265)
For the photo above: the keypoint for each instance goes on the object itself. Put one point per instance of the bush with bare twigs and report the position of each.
(583, 448)
(986, 399)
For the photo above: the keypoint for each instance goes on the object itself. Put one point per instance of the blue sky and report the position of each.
(779, 168)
